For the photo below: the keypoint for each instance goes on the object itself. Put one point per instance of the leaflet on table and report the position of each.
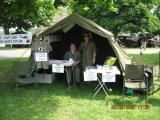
(64, 62)
(108, 77)
(57, 68)
(90, 76)
(68, 63)
(99, 68)
(108, 68)
(41, 56)
(111, 69)
(116, 70)
(91, 70)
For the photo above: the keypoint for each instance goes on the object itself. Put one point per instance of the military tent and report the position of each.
(71, 29)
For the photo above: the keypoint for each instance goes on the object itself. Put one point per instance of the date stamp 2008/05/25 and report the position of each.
(145, 106)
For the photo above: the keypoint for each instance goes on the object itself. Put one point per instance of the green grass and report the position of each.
(151, 59)
(56, 102)
(7, 63)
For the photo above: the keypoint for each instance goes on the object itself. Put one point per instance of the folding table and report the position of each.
(66, 64)
(109, 72)
(101, 85)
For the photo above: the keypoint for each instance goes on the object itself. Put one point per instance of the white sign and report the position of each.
(41, 57)
(108, 77)
(53, 38)
(90, 76)
(16, 39)
(57, 68)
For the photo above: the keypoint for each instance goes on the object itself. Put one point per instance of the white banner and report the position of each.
(57, 68)
(90, 76)
(16, 39)
(41, 57)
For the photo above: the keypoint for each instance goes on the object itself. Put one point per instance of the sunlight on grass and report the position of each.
(56, 102)
(151, 59)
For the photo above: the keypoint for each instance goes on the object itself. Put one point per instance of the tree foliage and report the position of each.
(24, 14)
(121, 15)
(115, 15)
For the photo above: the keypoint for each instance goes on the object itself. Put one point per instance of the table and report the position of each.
(104, 74)
(101, 85)
(62, 64)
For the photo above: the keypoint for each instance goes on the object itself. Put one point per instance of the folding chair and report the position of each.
(24, 73)
(135, 78)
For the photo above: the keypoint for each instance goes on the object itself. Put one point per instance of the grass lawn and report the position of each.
(56, 102)
(151, 59)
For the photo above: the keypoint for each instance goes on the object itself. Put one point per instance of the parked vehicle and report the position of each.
(128, 41)
(134, 41)
(156, 41)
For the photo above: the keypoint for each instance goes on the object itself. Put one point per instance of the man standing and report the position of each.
(74, 69)
(143, 40)
(88, 50)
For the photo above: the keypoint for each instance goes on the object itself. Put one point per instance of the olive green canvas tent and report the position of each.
(72, 28)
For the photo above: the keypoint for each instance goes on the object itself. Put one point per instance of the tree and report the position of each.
(24, 14)
(157, 13)
(130, 15)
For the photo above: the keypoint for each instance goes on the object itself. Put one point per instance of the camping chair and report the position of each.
(135, 79)
(24, 73)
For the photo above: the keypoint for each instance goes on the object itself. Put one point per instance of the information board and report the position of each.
(16, 39)
(57, 68)
(90, 76)
(41, 57)
(108, 77)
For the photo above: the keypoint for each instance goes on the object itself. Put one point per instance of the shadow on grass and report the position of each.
(59, 88)
(30, 104)
(154, 101)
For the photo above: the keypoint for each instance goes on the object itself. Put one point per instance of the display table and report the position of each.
(62, 62)
(102, 74)
(61, 66)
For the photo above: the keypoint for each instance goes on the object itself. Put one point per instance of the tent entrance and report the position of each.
(74, 35)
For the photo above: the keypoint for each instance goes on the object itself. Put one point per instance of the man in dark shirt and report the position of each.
(143, 40)
(73, 55)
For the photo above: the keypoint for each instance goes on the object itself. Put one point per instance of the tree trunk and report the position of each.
(6, 31)
(2, 5)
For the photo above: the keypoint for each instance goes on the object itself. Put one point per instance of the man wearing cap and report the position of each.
(88, 50)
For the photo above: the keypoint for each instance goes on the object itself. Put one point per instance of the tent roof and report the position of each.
(69, 22)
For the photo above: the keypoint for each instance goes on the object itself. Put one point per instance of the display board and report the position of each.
(57, 68)
(108, 77)
(90, 76)
(16, 39)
